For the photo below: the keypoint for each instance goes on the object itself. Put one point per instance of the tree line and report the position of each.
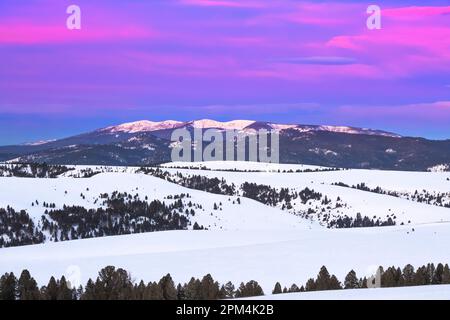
(117, 284)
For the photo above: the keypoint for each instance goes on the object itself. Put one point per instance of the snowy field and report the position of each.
(246, 241)
(264, 256)
(441, 292)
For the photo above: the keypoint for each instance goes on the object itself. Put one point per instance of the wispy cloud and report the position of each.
(224, 3)
(319, 60)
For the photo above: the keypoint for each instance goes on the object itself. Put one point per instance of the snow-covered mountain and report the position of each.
(143, 126)
(148, 142)
(150, 126)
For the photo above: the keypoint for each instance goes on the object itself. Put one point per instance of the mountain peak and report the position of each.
(143, 126)
(230, 125)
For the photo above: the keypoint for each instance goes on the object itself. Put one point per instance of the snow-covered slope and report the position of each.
(147, 126)
(268, 256)
(20, 193)
(352, 201)
(437, 292)
(230, 125)
(246, 241)
(241, 166)
(143, 126)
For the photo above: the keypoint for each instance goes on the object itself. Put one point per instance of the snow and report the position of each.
(230, 125)
(147, 126)
(143, 126)
(266, 256)
(20, 193)
(241, 166)
(367, 203)
(247, 241)
(435, 292)
(351, 130)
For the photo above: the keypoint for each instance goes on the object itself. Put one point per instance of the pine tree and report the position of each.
(89, 292)
(294, 288)
(27, 288)
(8, 287)
(277, 289)
(438, 273)
(168, 288)
(64, 292)
(180, 292)
(229, 290)
(408, 275)
(323, 279)
(446, 275)
(334, 283)
(209, 288)
(250, 289)
(193, 290)
(351, 281)
(310, 285)
(420, 277)
(153, 292)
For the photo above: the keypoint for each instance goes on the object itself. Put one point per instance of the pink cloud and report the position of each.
(23, 32)
(415, 12)
(224, 3)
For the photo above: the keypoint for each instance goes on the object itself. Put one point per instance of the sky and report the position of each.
(286, 61)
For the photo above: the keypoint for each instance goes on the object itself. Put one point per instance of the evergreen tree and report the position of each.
(27, 288)
(420, 277)
(408, 275)
(438, 273)
(310, 285)
(334, 283)
(229, 290)
(153, 292)
(323, 279)
(89, 292)
(193, 290)
(51, 291)
(277, 289)
(250, 289)
(168, 288)
(446, 275)
(64, 292)
(8, 287)
(209, 288)
(351, 281)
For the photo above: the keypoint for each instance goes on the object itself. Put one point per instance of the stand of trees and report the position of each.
(18, 229)
(33, 170)
(359, 222)
(271, 196)
(117, 284)
(197, 182)
(124, 214)
(437, 199)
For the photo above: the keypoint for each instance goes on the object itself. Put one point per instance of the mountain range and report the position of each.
(147, 142)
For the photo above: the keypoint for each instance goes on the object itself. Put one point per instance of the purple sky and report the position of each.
(290, 61)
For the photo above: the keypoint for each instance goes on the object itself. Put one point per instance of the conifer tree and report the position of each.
(446, 275)
(351, 280)
(27, 288)
(408, 275)
(209, 288)
(168, 288)
(277, 289)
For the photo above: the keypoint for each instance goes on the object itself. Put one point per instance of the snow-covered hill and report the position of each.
(246, 240)
(438, 292)
(22, 194)
(267, 256)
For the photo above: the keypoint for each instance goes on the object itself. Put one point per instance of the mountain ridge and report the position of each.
(148, 142)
